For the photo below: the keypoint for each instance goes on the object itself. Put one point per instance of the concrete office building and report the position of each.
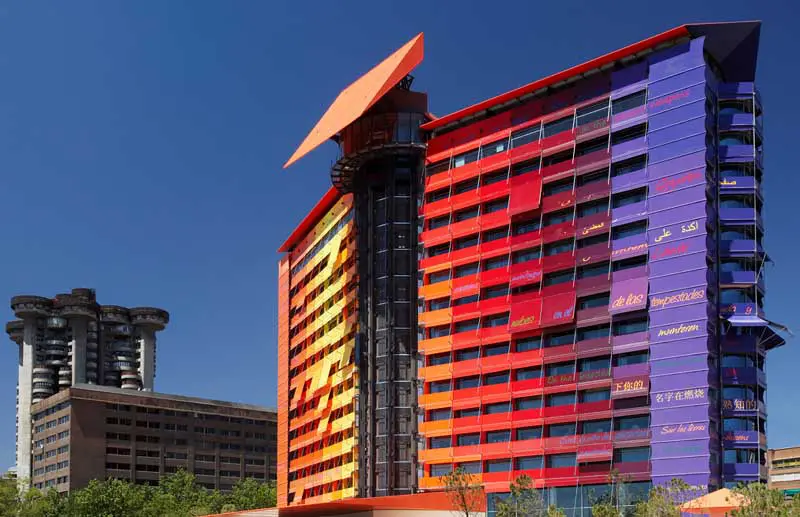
(784, 470)
(87, 432)
(71, 339)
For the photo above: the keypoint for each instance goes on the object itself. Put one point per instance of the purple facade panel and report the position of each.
(676, 91)
(681, 180)
(680, 164)
(677, 198)
(660, 382)
(628, 247)
(677, 416)
(687, 279)
(677, 432)
(628, 149)
(688, 325)
(628, 213)
(677, 364)
(667, 450)
(675, 132)
(629, 118)
(682, 262)
(629, 181)
(677, 149)
(630, 79)
(678, 315)
(675, 60)
(687, 214)
(665, 119)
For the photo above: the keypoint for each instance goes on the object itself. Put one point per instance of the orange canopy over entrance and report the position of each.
(720, 503)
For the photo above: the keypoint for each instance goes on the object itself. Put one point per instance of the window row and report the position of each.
(537, 131)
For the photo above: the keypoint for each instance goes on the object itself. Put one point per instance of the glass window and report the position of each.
(629, 198)
(560, 368)
(622, 328)
(441, 442)
(498, 146)
(524, 227)
(631, 358)
(591, 113)
(499, 407)
(466, 270)
(466, 326)
(561, 460)
(593, 177)
(493, 350)
(436, 168)
(494, 235)
(438, 195)
(439, 276)
(628, 134)
(626, 423)
(498, 466)
(494, 177)
(630, 263)
(466, 242)
(438, 222)
(595, 395)
(467, 413)
(555, 248)
(558, 277)
(526, 135)
(495, 292)
(468, 382)
(469, 213)
(440, 386)
(557, 126)
(528, 403)
(736, 138)
(498, 436)
(529, 254)
(631, 454)
(465, 300)
(441, 331)
(466, 355)
(441, 249)
(471, 467)
(599, 269)
(465, 186)
(595, 363)
(465, 158)
(593, 240)
(468, 439)
(495, 206)
(557, 187)
(495, 321)
(592, 146)
(441, 303)
(527, 344)
(561, 399)
(438, 414)
(525, 374)
(562, 216)
(438, 359)
(495, 378)
(495, 263)
(530, 463)
(593, 301)
(596, 426)
(525, 167)
(529, 433)
(559, 339)
(628, 166)
(629, 102)
(629, 230)
(594, 207)
(441, 470)
(558, 430)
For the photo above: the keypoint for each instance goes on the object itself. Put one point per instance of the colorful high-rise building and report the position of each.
(589, 282)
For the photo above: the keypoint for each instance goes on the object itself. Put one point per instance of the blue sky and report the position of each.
(141, 146)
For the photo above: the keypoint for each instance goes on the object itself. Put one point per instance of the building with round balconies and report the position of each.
(71, 339)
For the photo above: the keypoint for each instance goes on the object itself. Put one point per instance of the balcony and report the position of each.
(744, 375)
(744, 215)
(745, 439)
(743, 471)
(740, 248)
(731, 278)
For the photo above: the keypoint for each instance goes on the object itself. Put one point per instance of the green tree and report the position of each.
(663, 501)
(605, 509)
(9, 497)
(553, 511)
(464, 491)
(761, 500)
(523, 501)
(109, 498)
(249, 494)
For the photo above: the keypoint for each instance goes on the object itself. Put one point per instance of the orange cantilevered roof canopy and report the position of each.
(357, 98)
